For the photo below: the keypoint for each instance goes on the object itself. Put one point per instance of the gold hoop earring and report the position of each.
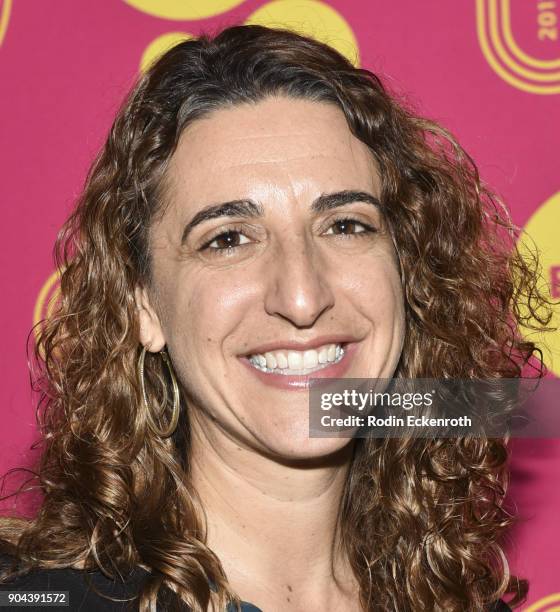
(164, 433)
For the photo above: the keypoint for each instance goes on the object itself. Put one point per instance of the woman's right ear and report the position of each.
(151, 332)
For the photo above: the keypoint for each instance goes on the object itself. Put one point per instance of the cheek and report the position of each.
(375, 286)
(206, 311)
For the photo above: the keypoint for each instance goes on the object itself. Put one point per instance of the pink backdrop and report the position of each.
(487, 70)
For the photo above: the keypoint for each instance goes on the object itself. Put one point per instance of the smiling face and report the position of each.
(272, 245)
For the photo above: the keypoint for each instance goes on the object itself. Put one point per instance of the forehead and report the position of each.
(275, 147)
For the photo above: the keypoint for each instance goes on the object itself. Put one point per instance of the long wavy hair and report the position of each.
(422, 520)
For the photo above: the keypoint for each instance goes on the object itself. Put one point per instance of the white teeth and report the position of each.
(281, 360)
(271, 363)
(310, 359)
(297, 362)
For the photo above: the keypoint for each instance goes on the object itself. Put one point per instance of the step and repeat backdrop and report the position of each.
(488, 70)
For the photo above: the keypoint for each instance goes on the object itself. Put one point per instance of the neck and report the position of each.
(272, 523)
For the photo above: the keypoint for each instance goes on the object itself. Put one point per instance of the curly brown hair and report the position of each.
(422, 520)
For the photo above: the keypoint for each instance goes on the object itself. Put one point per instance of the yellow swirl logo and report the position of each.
(541, 231)
(47, 302)
(308, 17)
(506, 58)
(5, 10)
(550, 603)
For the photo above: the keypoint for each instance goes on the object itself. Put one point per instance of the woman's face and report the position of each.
(296, 276)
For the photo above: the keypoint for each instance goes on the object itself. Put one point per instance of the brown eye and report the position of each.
(348, 227)
(226, 240)
(345, 227)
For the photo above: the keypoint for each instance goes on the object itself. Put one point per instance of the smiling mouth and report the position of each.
(298, 363)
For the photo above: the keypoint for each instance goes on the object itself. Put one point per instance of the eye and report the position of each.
(226, 241)
(349, 227)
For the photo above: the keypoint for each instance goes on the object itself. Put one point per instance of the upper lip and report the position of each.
(301, 346)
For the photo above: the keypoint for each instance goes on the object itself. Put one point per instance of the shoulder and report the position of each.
(87, 591)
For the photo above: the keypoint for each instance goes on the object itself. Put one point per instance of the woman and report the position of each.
(263, 211)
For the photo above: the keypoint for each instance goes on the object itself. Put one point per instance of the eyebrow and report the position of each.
(248, 209)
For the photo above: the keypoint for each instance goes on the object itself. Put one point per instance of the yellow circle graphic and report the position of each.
(160, 45)
(47, 300)
(543, 232)
(5, 8)
(311, 18)
(545, 604)
(183, 10)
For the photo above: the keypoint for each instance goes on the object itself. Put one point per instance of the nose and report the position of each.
(298, 289)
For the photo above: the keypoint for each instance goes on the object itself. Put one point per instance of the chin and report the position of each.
(294, 447)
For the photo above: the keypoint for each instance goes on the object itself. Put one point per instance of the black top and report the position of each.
(81, 597)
